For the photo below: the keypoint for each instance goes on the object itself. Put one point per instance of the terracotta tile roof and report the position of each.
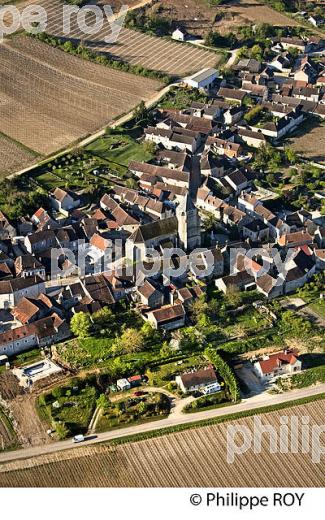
(277, 360)
(168, 313)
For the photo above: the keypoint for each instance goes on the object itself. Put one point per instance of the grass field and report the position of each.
(118, 150)
(192, 458)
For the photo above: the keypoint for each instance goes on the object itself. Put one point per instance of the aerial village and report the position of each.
(220, 187)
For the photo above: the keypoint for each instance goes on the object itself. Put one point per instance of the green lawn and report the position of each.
(26, 358)
(165, 373)
(318, 307)
(248, 321)
(118, 150)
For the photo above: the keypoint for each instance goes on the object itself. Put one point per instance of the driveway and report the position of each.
(245, 373)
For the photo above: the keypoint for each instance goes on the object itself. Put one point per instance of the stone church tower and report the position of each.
(189, 225)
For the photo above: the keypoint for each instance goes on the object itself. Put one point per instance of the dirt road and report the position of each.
(173, 420)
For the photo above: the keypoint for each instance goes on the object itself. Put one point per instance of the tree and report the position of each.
(131, 340)
(104, 318)
(165, 350)
(198, 308)
(140, 112)
(61, 430)
(233, 296)
(102, 401)
(80, 325)
(290, 155)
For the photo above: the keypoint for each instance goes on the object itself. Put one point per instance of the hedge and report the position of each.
(308, 377)
(225, 371)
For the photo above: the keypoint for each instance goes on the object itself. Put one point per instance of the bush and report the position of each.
(308, 377)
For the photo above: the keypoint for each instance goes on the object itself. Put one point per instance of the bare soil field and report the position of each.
(134, 47)
(50, 99)
(9, 386)
(192, 458)
(257, 12)
(13, 156)
(198, 17)
(29, 428)
(310, 141)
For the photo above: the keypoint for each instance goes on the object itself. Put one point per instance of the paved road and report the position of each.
(173, 420)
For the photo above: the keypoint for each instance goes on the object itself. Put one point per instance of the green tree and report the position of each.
(233, 296)
(104, 318)
(80, 324)
(102, 401)
(198, 308)
(61, 430)
(165, 350)
(131, 340)
(140, 112)
(290, 155)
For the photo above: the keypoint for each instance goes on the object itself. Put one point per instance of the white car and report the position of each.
(78, 438)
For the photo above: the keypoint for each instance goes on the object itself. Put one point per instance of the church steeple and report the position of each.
(189, 225)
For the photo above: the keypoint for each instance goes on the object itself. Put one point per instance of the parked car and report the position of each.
(78, 438)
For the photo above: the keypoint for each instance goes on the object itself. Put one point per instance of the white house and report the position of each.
(204, 379)
(63, 200)
(179, 35)
(278, 364)
(11, 291)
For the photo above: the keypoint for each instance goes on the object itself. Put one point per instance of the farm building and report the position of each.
(203, 80)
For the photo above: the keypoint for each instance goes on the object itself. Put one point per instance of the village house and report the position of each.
(169, 317)
(41, 333)
(242, 281)
(7, 231)
(204, 379)
(232, 94)
(212, 165)
(298, 238)
(11, 291)
(166, 175)
(40, 241)
(251, 138)
(64, 200)
(275, 365)
(256, 231)
(180, 35)
(293, 43)
(149, 295)
(223, 147)
(28, 265)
